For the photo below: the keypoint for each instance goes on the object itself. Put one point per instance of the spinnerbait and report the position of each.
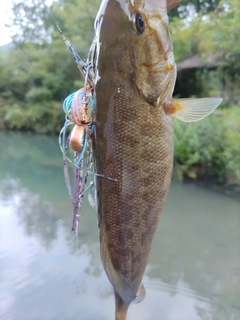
(77, 115)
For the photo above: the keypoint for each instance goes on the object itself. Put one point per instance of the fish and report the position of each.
(133, 140)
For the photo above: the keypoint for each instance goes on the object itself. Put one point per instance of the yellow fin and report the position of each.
(191, 110)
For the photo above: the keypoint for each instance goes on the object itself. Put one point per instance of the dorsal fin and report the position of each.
(172, 4)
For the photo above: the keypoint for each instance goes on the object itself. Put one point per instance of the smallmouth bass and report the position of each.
(133, 139)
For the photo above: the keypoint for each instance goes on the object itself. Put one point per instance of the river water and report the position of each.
(194, 267)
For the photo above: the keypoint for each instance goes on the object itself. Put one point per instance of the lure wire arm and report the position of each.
(81, 64)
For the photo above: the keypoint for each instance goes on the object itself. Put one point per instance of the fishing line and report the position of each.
(103, 176)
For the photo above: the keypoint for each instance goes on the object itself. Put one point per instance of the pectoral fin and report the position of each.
(191, 110)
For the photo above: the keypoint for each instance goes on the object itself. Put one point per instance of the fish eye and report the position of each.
(140, 25)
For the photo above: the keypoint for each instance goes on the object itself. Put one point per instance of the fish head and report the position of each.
(154, 58)
(135, 44)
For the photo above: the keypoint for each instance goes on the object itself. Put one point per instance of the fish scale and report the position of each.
(138, 153)
(133, 138)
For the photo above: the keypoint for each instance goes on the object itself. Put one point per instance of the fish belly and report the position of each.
(134, 145)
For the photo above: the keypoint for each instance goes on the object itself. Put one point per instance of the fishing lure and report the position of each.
(79, 108)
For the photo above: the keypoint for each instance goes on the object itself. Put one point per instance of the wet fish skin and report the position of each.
(138, 153)
(134, 144)
(133, 140)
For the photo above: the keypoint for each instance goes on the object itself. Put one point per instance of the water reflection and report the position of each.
(36, 215)
(193, 271)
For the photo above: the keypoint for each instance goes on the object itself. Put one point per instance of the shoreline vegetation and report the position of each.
(209, 150)
(37, 72)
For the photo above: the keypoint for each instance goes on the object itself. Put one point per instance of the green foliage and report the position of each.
(35, 77)
(186, 39)
(206, 34)
(32, 21)
(215, 39)
(34, 82)
(209, 149)
(185, 6)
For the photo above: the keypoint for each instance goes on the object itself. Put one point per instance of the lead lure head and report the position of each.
(77, 137)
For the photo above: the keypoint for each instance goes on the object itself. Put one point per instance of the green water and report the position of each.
(194, 267)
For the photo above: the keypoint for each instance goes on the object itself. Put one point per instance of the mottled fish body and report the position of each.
(133, 143)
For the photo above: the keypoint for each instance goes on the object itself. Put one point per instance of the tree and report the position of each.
(216, 36)
(187, 7)
(37, 74)
(32, 21)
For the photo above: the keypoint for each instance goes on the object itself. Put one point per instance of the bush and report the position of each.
(209, 149)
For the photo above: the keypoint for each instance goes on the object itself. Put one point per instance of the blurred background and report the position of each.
(45, 271)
